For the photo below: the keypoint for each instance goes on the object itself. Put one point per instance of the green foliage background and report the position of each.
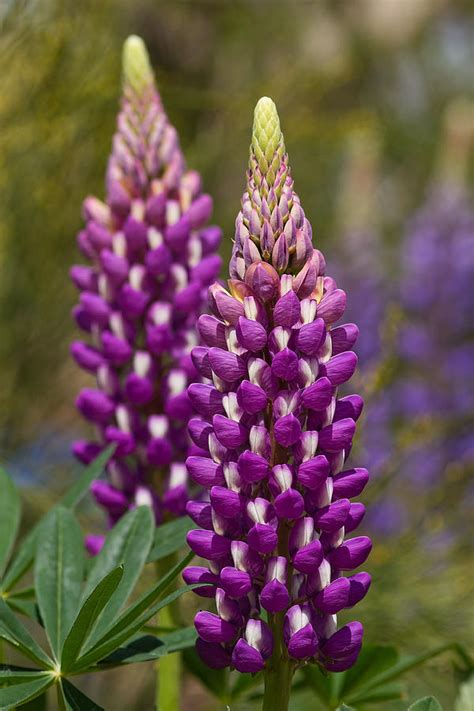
(383, 68)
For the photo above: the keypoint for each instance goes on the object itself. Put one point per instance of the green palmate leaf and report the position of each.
(26, 553)
(140, 606)
(11, 696)
(127, 544)
(215, 680)
(345, 707)
(58, 575)
(387, 692)
(10, 512)
(93, 471)
(87, 616)
(170, 537)
(10, 675)
(24, 607)
(408, 662)
(75, 700)
(119, 633)
(372, 661)
(428, 703)
(13, 632)
(149, 648)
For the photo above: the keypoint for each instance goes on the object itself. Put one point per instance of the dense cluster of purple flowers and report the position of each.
(275, 439)
(437, 272)
(151, 259)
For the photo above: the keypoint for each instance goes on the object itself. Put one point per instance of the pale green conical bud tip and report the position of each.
(267, 138)
(137, 71)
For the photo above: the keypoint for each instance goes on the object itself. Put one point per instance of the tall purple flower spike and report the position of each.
(277, 439)
(151, 259)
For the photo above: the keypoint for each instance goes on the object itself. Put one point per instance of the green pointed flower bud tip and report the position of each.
(137, 71)
(267, 148)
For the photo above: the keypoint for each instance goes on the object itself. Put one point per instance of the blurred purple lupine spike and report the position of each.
(151, 258)
(278, 439)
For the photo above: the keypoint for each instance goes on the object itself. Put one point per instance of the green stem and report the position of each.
(279, 671)
(168, 669)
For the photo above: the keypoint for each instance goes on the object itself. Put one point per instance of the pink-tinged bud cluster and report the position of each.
(276, 438)
(150, 261)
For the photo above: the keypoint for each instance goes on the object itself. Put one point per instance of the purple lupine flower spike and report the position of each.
(151, 258)
(277, 439)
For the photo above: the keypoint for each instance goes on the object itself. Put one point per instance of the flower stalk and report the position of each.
(151, 257)
(274, 438)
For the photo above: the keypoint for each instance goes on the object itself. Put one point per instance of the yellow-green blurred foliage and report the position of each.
(387, 67)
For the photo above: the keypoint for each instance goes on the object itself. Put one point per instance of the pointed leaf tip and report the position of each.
(137, 71)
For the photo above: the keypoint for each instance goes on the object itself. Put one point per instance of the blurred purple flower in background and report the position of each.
(275, 439)
(151, 259)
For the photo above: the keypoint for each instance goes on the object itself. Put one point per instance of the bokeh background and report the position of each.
(375, 99)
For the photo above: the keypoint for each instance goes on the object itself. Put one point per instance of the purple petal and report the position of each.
(287, 430)
(229, 433)
(262, 538)
(289, 504)
(212, 331)
(94, 544)
(337, 436)
(310, 337)
(199, 431)
(208, 545)
(201, 513)
(287, 310)
(195, 574)
(205, 399)
(228, 366)
(332, 306)
(132, 302)
(351, 553)
(226, 502)
(158, 261)
(251, 334)
(252, 467)
(343, 337)
(211, 628)
(95, 405)
(303, 643)
(251, 398)
(205, 472)
(246, 658)
(200, 358)
(309, 558)
(343, 642)
(274, 597)
(285, 365)
(236, 583)
(334, 597)
(340, 368)
(318, 395)
(116, 350)
(313, 472)
(331, 518)
(212, 654)
(86, 452)
(350, 483)
(354, 517)
(110, 498)
(360, 584)
(350, 406)
(86, 356)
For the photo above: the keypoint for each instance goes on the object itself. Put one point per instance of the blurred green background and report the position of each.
(382, 69)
